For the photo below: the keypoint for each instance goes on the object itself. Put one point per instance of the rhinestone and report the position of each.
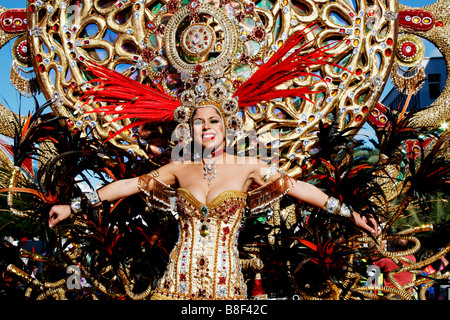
(204, 231)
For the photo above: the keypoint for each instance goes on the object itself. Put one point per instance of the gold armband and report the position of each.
(92, 199)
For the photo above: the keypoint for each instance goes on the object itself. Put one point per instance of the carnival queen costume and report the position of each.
(205, 261)
(201, 43)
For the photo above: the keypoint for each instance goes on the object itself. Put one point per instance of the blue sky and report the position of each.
(13, 99)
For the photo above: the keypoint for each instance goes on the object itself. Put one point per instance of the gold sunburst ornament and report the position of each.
(151, 42)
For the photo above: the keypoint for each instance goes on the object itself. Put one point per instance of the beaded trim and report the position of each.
(263, 197)
(160, 196)
(163, 295)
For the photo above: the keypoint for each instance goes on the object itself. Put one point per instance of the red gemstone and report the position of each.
(23, 49)
(259, 34)
(161, 28)
(257, 62)
(408, 49)
(237, 83)
(249, 8)
(198, 68)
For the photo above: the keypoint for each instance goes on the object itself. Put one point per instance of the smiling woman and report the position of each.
(207, 99)
(213, 190)
(208, 128)
(211, 195)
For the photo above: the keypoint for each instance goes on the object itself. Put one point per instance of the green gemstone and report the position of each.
(204, 211)
(204, 231)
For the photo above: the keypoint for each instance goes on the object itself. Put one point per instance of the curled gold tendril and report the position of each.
(10, 196)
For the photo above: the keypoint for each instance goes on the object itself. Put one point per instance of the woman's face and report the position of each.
(208, 128)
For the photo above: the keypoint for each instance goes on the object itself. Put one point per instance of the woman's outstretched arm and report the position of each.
(115, 191)
(310, 194)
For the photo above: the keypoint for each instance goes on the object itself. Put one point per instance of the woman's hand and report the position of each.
(57, 214)
(367, 223)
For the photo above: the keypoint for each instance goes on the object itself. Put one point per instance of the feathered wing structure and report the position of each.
(433, 173)
(334, 143)
(128, 98)
(29, 136)
(354, 184)
(285, 65)
(325, 255)
(36, 128)
(57, 181)
(397, 130)
(425, 179)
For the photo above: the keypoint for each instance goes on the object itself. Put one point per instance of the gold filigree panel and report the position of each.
(128, 36)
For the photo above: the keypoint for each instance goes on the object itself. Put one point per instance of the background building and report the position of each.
(436, 75)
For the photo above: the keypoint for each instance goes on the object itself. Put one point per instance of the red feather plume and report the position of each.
(131, 99)
(279, 69)
(128, 98)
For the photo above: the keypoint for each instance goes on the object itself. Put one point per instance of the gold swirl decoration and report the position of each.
(128, 36)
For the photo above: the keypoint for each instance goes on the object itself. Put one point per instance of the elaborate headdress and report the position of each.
(210, 53)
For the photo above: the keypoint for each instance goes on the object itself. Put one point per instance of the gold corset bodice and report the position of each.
(204, 263)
